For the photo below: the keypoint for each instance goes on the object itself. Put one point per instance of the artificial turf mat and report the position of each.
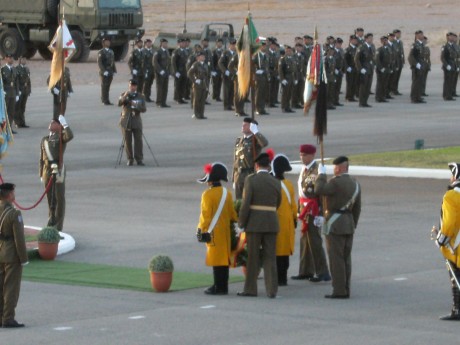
(106, 276)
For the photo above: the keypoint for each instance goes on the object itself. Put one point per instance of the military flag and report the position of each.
(247, 45)
(63, 47)
(6, 136)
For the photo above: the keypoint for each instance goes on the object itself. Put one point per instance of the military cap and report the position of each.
(359, 30)
(299, 45)
(179, 40)
(455, 169)
(396, 31)
(418, 32)
(197, 46)
(8, 55)
(250, 120)
(7, 186)
(280, 164)
(450, 34)
(187, 39)
(200, 53)
(220, 40)
(264, 43)
(384, 38)
(340, 160)
(214, 172)
(307, 149)
(391, 34)
(232, 41)
(132, 82)
(287, 47)
(139, 40)
(339, 40)
(205, 39)
(353, 37)
(263, 159)
(330, 38)
(106, 38)
(369, 34)
(308, 37)
(148, 40)
(163, 40)
(297, 38)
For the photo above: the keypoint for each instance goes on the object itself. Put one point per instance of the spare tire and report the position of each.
(82, 49)
(52, 8)
(11, 43)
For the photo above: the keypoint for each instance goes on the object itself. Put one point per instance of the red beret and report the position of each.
(307, 149)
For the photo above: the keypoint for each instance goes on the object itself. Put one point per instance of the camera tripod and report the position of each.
(122, 147)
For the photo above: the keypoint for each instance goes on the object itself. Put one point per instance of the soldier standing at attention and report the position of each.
(190, 61)
(161, 63)
(392, 50)
(287, 73)
(258, 217)
(274, 84)
(339, 57)
(208, 57)
(136, 63)
(261, 62)
(50, 152)
(418, 65)
(364, 61)
(352, 75)
(343, 202)
(10, 87)
(299, 83)
(399, 63)
(107, 68)
(427, 59)
(238, 101)
(149, 73)
(247, 148)
(188, 52)
(133, 104)
(198, 74)
(56, 91)
(449, 66)
(25, 89)
(216, 74)
(382, 69)
(179, 71)
(329, 67)
(13, 255)
(227, 74)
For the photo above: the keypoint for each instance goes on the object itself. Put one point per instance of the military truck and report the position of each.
(211, 31)
(29, 25)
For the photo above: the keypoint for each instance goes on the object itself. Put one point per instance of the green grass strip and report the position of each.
(427, 158)
(106, 276)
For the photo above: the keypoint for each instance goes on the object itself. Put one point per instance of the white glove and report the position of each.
(234, 185)
(382, 70)
(296, 82)
(260, 71)
(449, 67)
(25, 263)
(177, 75)
(349, 69)
(146, 75)
(254, 128)
(162, 72)
(458, 69)
(321, 169)
(198, 81)
(284, 82)
(56, 91)
(336, 71)
(17, 98)
(418, 66)
(227, 73)
(20, 93)
(62, 121)
(363, 71)
(213, 74)
(106, 74)
(41, 179)
(318, 221)
(134, 71)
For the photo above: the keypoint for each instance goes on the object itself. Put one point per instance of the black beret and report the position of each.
(450, 34)
(353, 37)
(7, 186)
(250, 120)
(205, 39)
(384, 38)
(339, 40)
(163, 40)
(187, 39)
(133, 82)
(330, 37)
(299, 45)
(391, 34)
(263, 159)
(220, 40)
(359, 30)
(340, 160)
(396, 31)
(179, 40)
(418, 32)
(369, 34)
(287, 47)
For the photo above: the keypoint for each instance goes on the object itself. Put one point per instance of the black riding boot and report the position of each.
(455, 313)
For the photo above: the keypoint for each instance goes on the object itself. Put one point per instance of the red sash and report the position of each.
(309, 207)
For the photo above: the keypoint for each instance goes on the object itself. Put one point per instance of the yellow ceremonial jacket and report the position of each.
(450, 223)
(287, 213)
(218, 250)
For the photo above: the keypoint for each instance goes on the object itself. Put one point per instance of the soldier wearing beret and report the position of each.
(162, 63)
(364, 61)
(383, 70)
(10, 87)
(343, 207)
(133, 104)
(149, 75)
(13, 255)
(136, 64)
(214, 225)
(247, 148)
(107, 69)
(198, 74)
(258, 218)
(418, 65)
(25, 89)
(449, 66)
(352, 75)
(179, 71)
(313, 264)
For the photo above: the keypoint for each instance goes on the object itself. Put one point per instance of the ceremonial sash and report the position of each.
(286, 191)
(310, 208)
(263, 208)
(219, 211)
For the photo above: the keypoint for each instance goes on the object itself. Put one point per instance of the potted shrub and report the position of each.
(48, 241)
(161, 270)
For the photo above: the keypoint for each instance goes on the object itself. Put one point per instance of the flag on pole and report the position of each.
(247, 45)
(63, 47)
(6, 136)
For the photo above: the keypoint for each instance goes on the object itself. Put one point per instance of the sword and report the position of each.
(452, 272)
(434, 234)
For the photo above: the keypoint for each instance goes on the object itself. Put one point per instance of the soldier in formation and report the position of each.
(162, 63)
(10, 87)
(149, 73)
(107, 69)
(25, 89)
(198, 74)
(179, 71)
(136, 63)
(61, 94)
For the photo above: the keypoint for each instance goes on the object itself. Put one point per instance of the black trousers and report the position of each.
(282, 265)
(220, 278)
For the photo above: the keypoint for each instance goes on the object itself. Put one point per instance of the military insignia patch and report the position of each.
(20, 219)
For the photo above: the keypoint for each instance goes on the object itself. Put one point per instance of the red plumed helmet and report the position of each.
(207, 168)
(271, 153)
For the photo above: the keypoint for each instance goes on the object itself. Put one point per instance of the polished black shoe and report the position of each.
(338, 104)
(141, 163)
(198, 118)
(365, 106)
(282, 283)
(23, 126)
(212, 290)
(451, 317)
(381, 101)
(418, 102)
(273, 106)
(262, 113)
(424, 95)
(297, 106)
(389, 97)
(245, 294)
(446, 99)
(12, 324)
(271, 295)
(163, 106)
(288, 111)
(107, 103)
(330, 107)
(149, 100)
(207, 103)
(229, 108)
(337, 296)
(352, 100)
(397, 93)
(218, 100)
(129, 163)
(320, 278)
(302, 277)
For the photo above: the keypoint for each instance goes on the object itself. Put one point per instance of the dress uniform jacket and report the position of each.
(199, 71)
(449, 225)
(25, 90)
(149, 73)
(179, 59)
(261, 63)
(107, 68)
(131, 116)
(364, 59)
(136, 63)
(352, 74)
(218, 250)
(227, 80)
(162, 63)
(287, 213)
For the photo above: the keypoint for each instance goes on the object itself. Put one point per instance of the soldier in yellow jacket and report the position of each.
(217, 212)
(287, 218)
(448, 239)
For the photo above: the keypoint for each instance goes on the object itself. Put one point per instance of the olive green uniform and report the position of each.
(49, 154)
(228, 76)
(58, 108)
(399, 60)
(287, 70)
(136, 66)
(149, 74)
(25, 90)
(107, 68)
(274, 83)
(11, 89)
(299, 83)
(419, 66)
(427, 58)
(339, 57)
(161, 63)
(352, 74)
(383, 71)
(216, 74)
(198, 74)
(247, 148)
(329, 66)
(179, 72)
(364, 60)
(133, 104)
(261, 62)
(449, 66)
(13, 253)
(237, 100)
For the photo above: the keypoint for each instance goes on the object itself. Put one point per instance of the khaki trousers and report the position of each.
(59, 195)
(339, 252)
(312, 255)
(10, 285)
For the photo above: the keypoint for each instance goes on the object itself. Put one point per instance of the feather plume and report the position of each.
(271, 153)
(207, 168)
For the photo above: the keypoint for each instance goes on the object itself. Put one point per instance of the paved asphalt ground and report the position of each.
(125, 215)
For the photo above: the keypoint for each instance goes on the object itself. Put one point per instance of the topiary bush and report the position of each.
(49, 234)
(161, 263)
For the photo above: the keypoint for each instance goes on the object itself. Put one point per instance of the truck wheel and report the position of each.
(30, 50)
(45, 52)
(82, 48)
(11, 43)
(120, 52)
(51, 7)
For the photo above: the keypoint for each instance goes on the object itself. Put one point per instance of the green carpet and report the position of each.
(105, 276)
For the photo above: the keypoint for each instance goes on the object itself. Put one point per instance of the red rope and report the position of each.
(39, 200)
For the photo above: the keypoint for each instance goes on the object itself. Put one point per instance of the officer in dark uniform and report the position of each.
(359, 33)
(13, 255)
(136, 64)
(274, 83)
(427, 59)
(382, 68)
(352, 74)
(329, 67)
(188, 51)
(107, 68)
(287, 73)
(25, 90)
(133, 104)
(179, 71)
(399, 63)
(238, 101)
(247, 148)
(208, 57)
(391, 48)
(60, 101)
(149, 72)
(161, 63)
(299, 83)
(449, 66)
(364, 61)
(10, 87)
(339, 57)
(216, 73)
(261, 62)
(227, 74)
(419, 66)
(198, 74)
